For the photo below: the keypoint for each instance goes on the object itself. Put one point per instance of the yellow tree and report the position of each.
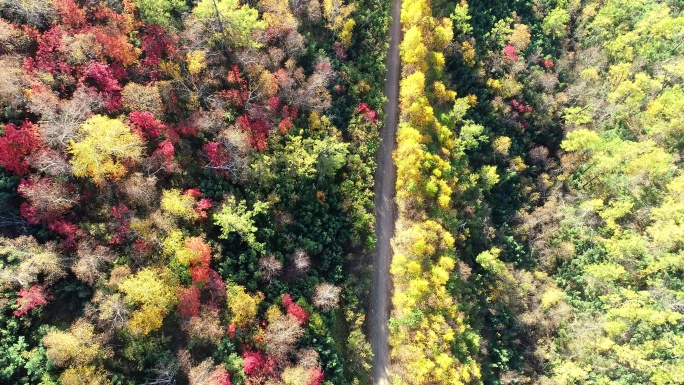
(103, 147)
(78, 346)
(153, 290)
(178, 205)
(242, 306)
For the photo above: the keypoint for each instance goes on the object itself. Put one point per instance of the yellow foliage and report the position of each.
(79, 346)
(153, 290)
(84, 375)
(468, 52)
(336, 12)
(104, 145)
(197, 62)
(551, 297)
(242, 305)
(413, 51)
(501, 145)
(347, 32)
(177, 204)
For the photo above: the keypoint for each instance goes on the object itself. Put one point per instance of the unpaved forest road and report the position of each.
(385, 177)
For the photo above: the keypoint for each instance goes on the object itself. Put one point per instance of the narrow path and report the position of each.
(385, 179)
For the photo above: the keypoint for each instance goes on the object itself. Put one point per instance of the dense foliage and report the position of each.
(187, 190)
(539, 225)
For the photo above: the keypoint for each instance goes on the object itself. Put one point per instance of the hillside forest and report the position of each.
(187, 192)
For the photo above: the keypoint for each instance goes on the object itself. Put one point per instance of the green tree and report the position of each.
(232, 22)
(160, 12)
(234, 217)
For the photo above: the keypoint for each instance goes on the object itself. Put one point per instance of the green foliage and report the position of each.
(556, 22)
(160, 12)
(235, 23)
(234, 217)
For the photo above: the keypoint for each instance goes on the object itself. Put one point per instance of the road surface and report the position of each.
(385, 178)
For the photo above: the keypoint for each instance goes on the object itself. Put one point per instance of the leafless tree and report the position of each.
(51, 162)
(35, 12)
(270, 267)
(326, 296)
(139, 189)
(281, 335)
(301, 263)
(61, 119)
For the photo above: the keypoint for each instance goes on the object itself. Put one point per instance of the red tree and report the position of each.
(104, 79)
(70, 14)
(46, 200)
(120, 223)
(189, 302)
(295, 310)
(317, 376)
(30, 299)
(252, 361)
(69, 232)
(146, 125)
(509, 52)
(156, 43)
(16, 145)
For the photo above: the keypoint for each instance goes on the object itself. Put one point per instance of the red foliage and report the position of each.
(71, 15)
(299, 313)
(509, 52)
(189, 301)
(145, 124)
(30, 299)
(340, 53)
(295, 310)
(102, 77)
(142, 247)
(251, 361)
(219, 376)
(370, 114)
(199, 274)
(16, 145)
(201, 208)
(216, 288)
(239, 95)
(188, 129)
(193, 192)
(273, 102)
(48, 55)
(231, 330)
(548, 64)
(155, 42)
(120, 224)
(258, 131)
(524, 124)
(203, 204)
(521, 107)
(46, 200)
(285, 126)
(217, 154)
(317, 377)
(165, 152)
(69, 231)
(116, 46)
(200, 250)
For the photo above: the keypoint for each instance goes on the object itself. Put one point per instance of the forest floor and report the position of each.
(385, 179)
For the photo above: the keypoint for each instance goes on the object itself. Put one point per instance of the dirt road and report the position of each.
(385, 178)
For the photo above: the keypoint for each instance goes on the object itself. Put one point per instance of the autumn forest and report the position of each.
(189, 192)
